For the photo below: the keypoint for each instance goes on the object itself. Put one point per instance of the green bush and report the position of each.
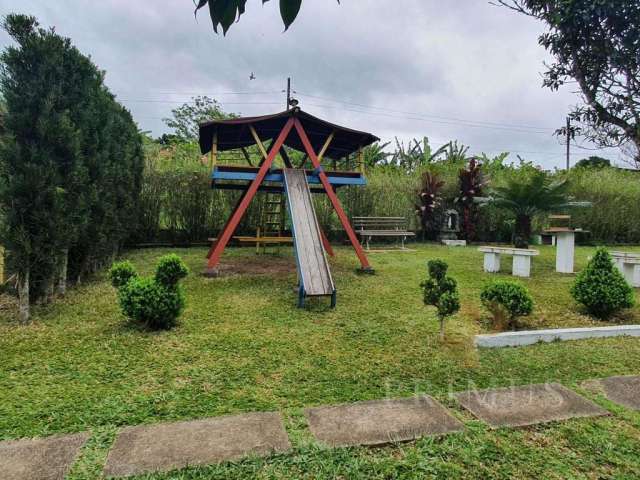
(149, 303)
(121, 272)
(440, 291)
(171, 269)
(437, 269)
(601, 288)
(154, 302)
(507, 301)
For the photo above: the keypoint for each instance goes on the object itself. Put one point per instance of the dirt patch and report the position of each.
(270, 265)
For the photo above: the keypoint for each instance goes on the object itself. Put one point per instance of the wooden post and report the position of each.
(214, 150)
(361, 160)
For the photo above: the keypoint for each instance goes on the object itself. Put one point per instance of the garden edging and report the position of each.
(530, 337)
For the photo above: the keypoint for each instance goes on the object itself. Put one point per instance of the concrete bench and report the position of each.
(521, 259)
(629, 265)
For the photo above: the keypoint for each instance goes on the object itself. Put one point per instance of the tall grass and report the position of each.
(179, 205)
(614, 216)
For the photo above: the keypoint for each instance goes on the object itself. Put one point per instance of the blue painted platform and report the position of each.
(224, 173)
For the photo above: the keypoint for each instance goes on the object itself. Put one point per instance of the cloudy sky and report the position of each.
(463, 69)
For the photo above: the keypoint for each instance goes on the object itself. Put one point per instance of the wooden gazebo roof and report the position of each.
(236, 133)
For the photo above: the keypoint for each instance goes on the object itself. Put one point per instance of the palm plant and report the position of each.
(535, 195)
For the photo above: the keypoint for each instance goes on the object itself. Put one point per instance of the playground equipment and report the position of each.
(319, 140)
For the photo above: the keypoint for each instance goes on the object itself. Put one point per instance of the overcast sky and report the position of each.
(462, 69)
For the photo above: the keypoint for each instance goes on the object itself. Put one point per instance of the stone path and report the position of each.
(40, 459)
(169, 446)
(527, 405)
(624, 391)
(380, 421)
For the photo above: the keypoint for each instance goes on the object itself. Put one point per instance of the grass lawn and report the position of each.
(243, 346)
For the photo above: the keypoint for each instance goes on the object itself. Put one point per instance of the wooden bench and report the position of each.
(368, 227)
(521, 259)
(629, 265)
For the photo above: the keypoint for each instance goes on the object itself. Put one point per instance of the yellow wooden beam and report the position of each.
(259, 143)
(326, 146)
(214, 150)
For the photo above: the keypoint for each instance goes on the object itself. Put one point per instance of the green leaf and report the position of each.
(223, 12)
(289, 11)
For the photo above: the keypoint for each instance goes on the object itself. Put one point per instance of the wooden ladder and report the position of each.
(272, 221)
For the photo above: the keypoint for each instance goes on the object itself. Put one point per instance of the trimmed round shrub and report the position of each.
(154, 302)
(147, 302)
(449, 303)
(440, 291)
(437, 269)
(507, 301)
(602, 288)
(171, 269)
(120, 273)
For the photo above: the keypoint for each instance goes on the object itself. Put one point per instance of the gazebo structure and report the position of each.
(319, 141)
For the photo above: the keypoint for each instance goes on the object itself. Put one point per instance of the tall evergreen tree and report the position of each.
(71, 161)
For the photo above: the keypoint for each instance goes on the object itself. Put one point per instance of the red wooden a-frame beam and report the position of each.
(332, 196)
(232, 223)
(241, 208)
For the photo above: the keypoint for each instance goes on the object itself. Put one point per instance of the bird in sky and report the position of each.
(252, 76)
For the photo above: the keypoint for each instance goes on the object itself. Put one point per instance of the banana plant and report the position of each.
(224, 13)
(417, 154)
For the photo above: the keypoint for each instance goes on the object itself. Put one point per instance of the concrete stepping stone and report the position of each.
(169, 446)
(624, 391)
(527, 405)
(40, 458)
(380, 421)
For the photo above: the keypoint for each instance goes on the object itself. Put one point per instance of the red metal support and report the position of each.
(235, 218)
(332, 196)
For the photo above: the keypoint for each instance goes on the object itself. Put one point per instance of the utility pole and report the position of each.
(288, 93)
(568, 143)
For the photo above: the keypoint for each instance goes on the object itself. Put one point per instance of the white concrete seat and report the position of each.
(629, 265)
(521, 259)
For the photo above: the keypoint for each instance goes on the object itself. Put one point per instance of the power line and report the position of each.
(371, 107)
(210, 94)
(131, 100)
(384, 112)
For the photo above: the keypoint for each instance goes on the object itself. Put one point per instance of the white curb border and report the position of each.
(530, 337)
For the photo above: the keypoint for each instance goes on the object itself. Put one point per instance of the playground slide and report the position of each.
(313, 268)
